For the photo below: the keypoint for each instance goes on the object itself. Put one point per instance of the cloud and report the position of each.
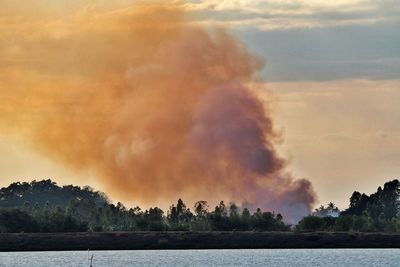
(351, 52)
(268, 15)
(301, 40)
(265, 15)
(313, 40)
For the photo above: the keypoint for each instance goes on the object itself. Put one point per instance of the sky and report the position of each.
(333, 68)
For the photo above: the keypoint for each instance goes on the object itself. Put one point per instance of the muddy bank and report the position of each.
(193, 240)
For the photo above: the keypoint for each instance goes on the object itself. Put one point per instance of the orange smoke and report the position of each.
(158, 107)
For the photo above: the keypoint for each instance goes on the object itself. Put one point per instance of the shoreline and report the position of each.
(193, 240)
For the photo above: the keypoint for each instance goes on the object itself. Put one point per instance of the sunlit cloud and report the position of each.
(269, 15)
(264, 15)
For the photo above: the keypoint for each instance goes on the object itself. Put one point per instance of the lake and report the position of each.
(177, 258)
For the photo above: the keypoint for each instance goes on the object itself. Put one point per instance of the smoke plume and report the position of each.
(158, 106)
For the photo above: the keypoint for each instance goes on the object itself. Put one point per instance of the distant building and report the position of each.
(330, 211)
(333, 213)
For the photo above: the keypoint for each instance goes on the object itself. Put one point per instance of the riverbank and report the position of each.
(193, 240)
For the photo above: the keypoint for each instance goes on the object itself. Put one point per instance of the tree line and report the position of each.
(378, 212)
(88, 210)
(43, 206)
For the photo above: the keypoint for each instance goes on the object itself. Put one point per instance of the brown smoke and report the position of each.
(159, 107)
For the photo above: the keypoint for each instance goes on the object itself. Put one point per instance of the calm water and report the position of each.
(177, 258)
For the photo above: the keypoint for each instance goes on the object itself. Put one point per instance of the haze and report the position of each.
(333, 70)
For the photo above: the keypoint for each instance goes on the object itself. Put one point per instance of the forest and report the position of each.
(378, 212)
(43, 206)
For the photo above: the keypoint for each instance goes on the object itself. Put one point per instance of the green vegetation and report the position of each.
(42, 206)
(378, 212)
(45, 207)
(44, 192)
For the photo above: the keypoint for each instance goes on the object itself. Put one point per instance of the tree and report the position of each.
(311, 223)
(200, 221)
(383, 203)
(219, 217)
(16, 194)
(360, 223)
(344, 223)
(179, 216)
(246, 219)
(201, 209)
(390, 199)
(358, 204)
(16, 221)
(155, 219)
(233, 210)
(72, 208)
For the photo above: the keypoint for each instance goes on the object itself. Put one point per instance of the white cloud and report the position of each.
(287, 14)
(265, 15)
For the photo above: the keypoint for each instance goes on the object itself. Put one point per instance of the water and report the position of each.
(178, 258)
